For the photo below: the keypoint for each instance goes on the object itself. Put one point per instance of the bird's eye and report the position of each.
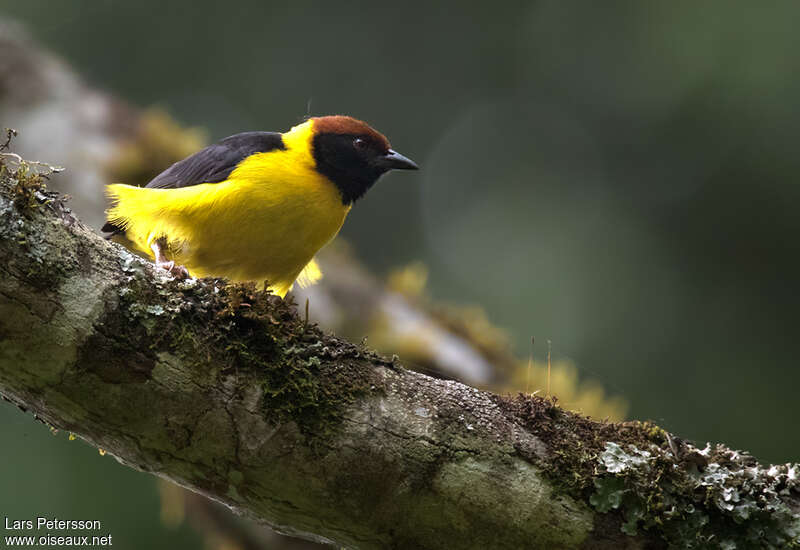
(360, 144)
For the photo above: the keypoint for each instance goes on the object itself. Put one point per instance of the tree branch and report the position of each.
(225, 390)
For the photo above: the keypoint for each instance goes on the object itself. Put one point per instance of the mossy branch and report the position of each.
(225, 390)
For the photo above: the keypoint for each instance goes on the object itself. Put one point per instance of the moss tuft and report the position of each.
(717, 498)
(656, 483)
(306, 376)
(24, 181)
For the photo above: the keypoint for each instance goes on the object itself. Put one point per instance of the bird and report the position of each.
(255, 206)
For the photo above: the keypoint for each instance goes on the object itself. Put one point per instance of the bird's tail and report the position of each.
(311, 274)
(134, 213)
(112, 228)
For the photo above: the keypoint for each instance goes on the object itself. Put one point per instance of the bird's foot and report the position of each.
(177, 271)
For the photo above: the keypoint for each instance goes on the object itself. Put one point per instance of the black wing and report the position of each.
(216, 162)
(212, 164)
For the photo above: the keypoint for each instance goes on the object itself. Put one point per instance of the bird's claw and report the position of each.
(177, 271)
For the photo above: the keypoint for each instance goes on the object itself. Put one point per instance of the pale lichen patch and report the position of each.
(720, 499)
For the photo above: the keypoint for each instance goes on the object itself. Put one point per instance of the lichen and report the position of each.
(307, 377)
(706, 499)
(23, 180)
(574, 441)
(657, 484)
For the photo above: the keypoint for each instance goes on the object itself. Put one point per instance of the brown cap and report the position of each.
(340, 124)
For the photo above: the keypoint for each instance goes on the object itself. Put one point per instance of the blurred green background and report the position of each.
(618, 177)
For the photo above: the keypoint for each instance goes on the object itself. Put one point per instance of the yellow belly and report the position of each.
(264, 223)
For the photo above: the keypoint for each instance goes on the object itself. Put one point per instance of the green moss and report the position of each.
(657, 484)
(306, 376)
(705, 499)
(574, 441)
(24, 183)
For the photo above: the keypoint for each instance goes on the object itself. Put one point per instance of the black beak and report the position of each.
(393, 160)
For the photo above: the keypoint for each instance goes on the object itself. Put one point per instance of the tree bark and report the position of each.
(226, 390)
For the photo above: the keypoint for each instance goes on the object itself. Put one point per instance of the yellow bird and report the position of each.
(255, 206)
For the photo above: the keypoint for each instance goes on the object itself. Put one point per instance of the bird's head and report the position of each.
(353, 155)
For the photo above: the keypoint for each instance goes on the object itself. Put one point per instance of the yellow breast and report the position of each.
(265, 222)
